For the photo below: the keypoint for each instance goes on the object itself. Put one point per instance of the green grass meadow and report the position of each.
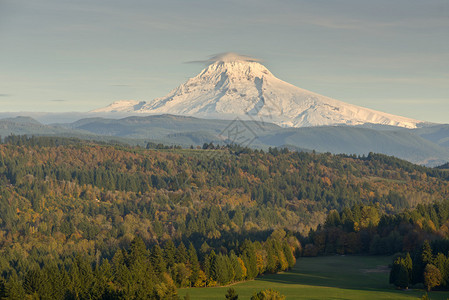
(329, 277)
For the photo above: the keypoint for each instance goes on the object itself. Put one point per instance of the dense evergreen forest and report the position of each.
(115, 221)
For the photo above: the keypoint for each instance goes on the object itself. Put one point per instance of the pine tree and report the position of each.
(418, 268)
(157, 260)
(122, 275)
(13, 288)
(231, 294)
(426, 255)
(250, 259)
(35, 281)
(180, 274)
(104, 275)
(272, 259)
(239, 269)
(181, 254)
(137, 253)
(2, 288)
(213, 269)
(57, 281)
(402, 279)
(220, 269)
(408, 263)
(140, 272)
(288, 254)
(81, 278)
(194, 265)
(399, 274)
(169, 253)
(238, 217)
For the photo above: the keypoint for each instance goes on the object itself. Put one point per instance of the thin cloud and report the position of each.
(377, 79)
(225, 57)
(5, 95)
(58, 100)
(413, 101)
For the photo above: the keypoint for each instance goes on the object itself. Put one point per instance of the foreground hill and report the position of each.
(91, 218)
(293, 189)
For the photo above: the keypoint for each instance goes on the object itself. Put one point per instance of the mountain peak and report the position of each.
(234, 85)
(233, 65)
(235, 69)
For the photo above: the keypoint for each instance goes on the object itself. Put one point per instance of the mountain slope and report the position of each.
(236, 85)
(121, 106)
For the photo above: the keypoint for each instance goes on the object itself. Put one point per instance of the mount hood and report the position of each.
(233, 86)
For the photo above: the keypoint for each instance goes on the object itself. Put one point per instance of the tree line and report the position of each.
(428, 265)
(365, 229)
(141, 272)
(419, 238)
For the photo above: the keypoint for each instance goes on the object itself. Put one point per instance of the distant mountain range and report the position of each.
(238, 86)
(427, 145)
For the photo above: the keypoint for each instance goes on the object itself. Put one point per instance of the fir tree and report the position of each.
(169, 253)
(194, 265)
(157, 260)
(426, 255)
(181, 254)
(231, 294)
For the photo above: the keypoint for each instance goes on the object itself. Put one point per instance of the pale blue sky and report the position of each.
(65, 55)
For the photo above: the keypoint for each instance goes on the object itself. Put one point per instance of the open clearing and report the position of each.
(329, 277)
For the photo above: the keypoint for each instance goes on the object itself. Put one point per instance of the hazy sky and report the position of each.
(65, 55)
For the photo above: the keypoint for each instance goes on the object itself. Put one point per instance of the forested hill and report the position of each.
(185, 192)
(75, 203)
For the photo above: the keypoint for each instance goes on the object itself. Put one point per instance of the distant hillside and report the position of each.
(438, 134)
(27, 125)
(443, 167)
(186, 131)
(355, 140)
(426, 146)
(161, 125)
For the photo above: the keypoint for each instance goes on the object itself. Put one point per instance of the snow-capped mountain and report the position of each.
(238, 86)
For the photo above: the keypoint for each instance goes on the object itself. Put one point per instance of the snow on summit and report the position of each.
(234, 85)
